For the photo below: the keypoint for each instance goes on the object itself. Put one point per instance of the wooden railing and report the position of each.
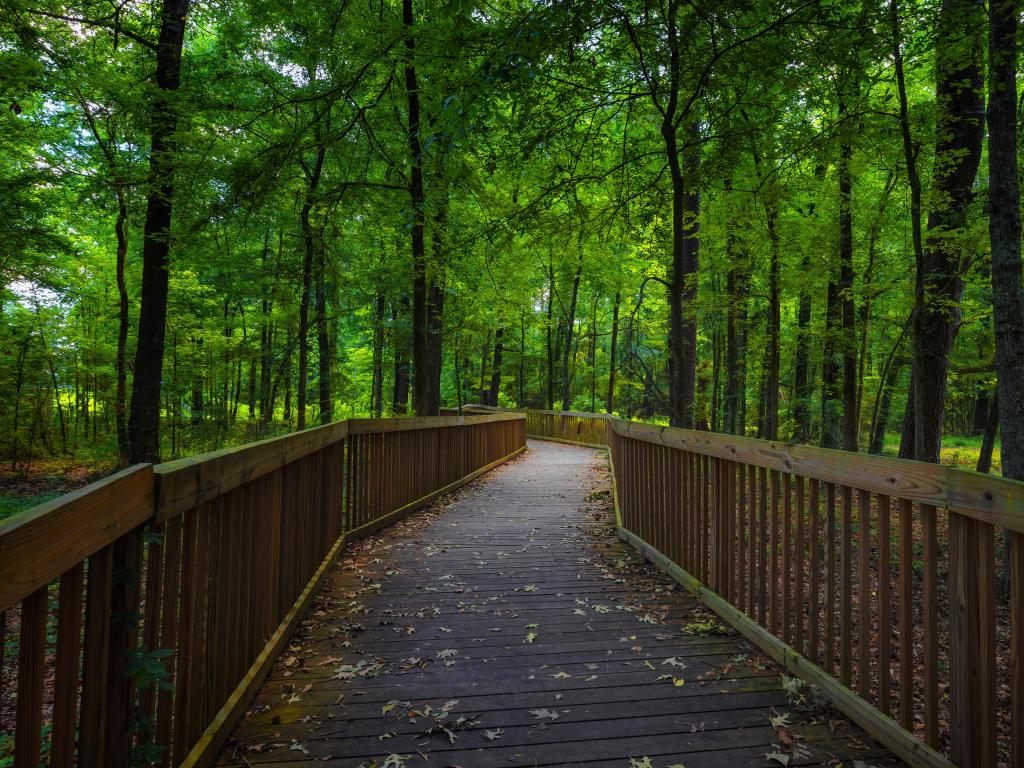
(563, 426)
(142, 612)
(870, 577)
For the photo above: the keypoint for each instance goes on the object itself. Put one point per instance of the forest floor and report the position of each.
(45, 479)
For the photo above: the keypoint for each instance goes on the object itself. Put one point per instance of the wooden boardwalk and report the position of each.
(507, 626)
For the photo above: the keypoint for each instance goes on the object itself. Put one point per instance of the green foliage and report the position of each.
(543, 152)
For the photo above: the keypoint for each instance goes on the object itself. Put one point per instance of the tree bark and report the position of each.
(308, 258)
(377, 390)
(1005, 232)
(612, 351)
(847, 342)
(521, 373)
(939, 283)
(831, 388)
(685, 254)
(770, 423)
(802, 364)
(323, 338)
(492, 398)
(570, 322)
(144, 415)
(400, 342)
(120, 361)
(550, 344)
(426, 296)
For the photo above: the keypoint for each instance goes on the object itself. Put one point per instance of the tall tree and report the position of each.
(144, 412)
(939, 280)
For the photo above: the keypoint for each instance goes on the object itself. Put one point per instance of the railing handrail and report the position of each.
(39, 544)
(988, 498)
(991, 499)
(35, 546)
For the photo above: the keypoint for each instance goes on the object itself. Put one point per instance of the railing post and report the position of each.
(124, 605)
(972, 642)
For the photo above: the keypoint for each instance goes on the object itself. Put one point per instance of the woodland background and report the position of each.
(224, 221)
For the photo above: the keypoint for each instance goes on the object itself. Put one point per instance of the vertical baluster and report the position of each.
(183, 657)
(741, 535)
(751, 540)
(66, 677)
(830, 579)
(762, 544)
(97, 637)
(814, 586)
(661, 490)
(730, 521)
(845, 591)
(3, 644)
(705, 507)
(864, 596)
(31, 672)
(151, 620)
(1016, 544)
(930, 624)
(972, 636)
(906, 565)
(773, 553)
(787, 561)
(800, 560)
(198, 631)
(676, 499)
(168, 623)
(884, 607)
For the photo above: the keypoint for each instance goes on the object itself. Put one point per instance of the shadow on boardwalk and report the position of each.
(507, 626)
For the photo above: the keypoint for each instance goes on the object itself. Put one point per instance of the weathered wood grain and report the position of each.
(528, 550)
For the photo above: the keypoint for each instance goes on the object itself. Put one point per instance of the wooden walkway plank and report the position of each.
(507, 626)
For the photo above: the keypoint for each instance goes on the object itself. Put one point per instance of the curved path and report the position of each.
(507, 626)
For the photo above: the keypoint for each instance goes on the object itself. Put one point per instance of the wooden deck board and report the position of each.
(441, 608)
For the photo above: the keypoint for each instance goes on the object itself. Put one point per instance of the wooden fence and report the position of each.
(872, 578)
(142, 612)
(563, 426)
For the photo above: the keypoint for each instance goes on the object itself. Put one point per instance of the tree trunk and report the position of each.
(400, 341)
(802, 364)
(567, 347)
(939, 282)
(323, 339)
(426, 299)
(308, 257)
(831, 405)
(1005, 232)
(914, 182)
(988, 441)
(880, 423)
(377, 390)
(612, 359)
(521, 373)
(496, 368)
(847, 341)
(683, 290)
(771, 386)
(482, 395)
(120, 360)
(144, 416)
(549, 328)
